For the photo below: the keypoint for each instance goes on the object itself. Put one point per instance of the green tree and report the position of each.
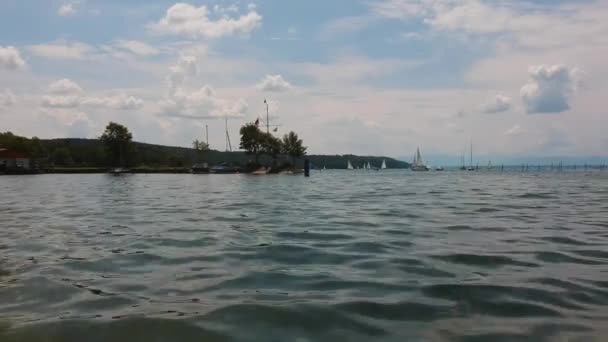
(293, 146)
(36, 149)
(252, 140)
(62, 156)
(117, 141)
(201, 147)
(271, 146)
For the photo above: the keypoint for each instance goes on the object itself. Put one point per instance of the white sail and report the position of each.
(418, 164)
(418, 159)
(383, 164)
(349, 165)
(369, 166)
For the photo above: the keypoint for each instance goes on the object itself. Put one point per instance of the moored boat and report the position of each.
(119, 171)
(224, 168)
(200, 168)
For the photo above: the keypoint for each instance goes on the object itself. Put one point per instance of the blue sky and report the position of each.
(365, 77)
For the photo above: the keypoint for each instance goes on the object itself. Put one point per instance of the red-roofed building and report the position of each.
(13, 160)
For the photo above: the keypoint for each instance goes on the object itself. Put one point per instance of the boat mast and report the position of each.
(228, 144)
(471, 154)
(267, 118)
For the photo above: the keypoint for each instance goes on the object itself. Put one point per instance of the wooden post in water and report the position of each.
(306, 167)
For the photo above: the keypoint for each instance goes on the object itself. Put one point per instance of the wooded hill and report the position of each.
(72, 152)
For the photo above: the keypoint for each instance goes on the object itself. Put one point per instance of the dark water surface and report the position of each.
(342, 256)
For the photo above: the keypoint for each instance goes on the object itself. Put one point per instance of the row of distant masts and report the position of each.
(561, 167)
(228, 143)
(526, 167)
(543, 167)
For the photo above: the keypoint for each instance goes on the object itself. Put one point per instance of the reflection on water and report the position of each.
(385, 256)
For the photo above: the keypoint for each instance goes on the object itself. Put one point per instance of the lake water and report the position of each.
(341, 256)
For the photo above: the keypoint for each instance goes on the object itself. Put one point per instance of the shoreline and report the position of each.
(137, 170)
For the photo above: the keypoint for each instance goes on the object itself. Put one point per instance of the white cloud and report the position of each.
(10, 58)
(202, 103)
(64, 87)
(549, 88)
(195, 22)
(402, 9)
(61, 101)
(67, 9)
(353, 68)
(345, 25)
(185, 67)
(7, 98)
(198, 103)
(518, 23)
(497, 104)
(120, 101)
(224, 10)
(275, 83)
(66, 93)
(137, 47)
(62, 50)
(515, 130)
(65, 115)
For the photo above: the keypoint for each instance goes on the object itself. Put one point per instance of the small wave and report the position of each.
(487, 210)
(503, 301)
(592, 253)
(305, 322)
(427, 271)
(79, 328)
(564, 240)
(313, 236)
(483, 260)
(366, 247)
(556, 257)
(459, 227)
(403, 311)
(537, 195)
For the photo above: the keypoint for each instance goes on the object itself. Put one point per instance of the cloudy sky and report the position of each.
(350, 76)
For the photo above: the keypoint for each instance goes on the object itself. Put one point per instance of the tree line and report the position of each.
(115, 147)
(256, 143)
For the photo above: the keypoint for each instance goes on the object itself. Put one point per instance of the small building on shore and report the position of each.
(10, 160)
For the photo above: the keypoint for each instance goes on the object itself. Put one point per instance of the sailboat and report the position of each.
(471, 160)
(368, 166)
(463, 168)
(418, 164)
(490, 167)
(349, 166)
(383, 166)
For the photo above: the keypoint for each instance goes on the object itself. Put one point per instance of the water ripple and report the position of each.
(341, 256)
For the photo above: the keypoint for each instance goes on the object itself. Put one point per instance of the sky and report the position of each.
(368, 77)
